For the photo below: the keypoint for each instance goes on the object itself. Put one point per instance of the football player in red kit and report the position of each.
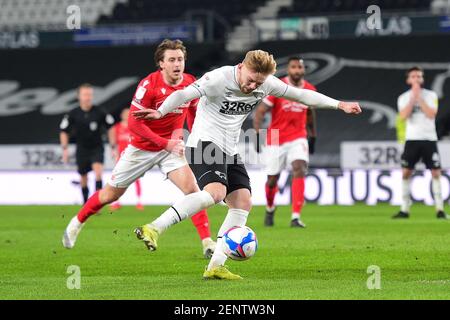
(120, 138)
(288, 142)
(153, 143)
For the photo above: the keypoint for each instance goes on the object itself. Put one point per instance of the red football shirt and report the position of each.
(122, 136)
(151, 92)
(288, 117)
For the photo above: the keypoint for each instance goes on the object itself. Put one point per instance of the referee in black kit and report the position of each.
(86, 124)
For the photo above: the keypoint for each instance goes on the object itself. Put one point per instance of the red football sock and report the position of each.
(138, 188)
(298, 194)
(270, 195)
(201, 222)
(92, 206)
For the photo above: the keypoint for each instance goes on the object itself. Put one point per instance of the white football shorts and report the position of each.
(279, 157)
(134, 163)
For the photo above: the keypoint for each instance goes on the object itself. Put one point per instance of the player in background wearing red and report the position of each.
(290, 139)
(120, 138)
(153, 143)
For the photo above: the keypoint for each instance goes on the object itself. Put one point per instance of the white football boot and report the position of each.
(71, 233)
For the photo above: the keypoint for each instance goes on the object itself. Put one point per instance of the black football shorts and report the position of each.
(210, 164)
(85, 157)
(417, 150)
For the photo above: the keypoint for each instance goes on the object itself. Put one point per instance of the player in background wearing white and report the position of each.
(227, 96)
(419, 106)
(290, 140)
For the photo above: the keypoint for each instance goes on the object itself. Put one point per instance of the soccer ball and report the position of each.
(240, 243)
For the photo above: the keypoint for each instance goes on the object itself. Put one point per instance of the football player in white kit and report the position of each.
(418, 106)
(227, 96)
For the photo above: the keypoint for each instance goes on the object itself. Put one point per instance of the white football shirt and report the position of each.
(418, 125)
(223, 107)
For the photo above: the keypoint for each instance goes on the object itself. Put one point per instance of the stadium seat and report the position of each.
(50, 14)
(327, 7)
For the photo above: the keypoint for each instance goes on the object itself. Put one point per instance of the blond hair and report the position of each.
(260, 61)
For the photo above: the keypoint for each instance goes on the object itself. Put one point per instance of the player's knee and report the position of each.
(217, 191)
(108, 195)
(245, 203)
(407, 174)
(240, 199)
(189, 188)
(299, 169)
(299, 172)
(272, 181)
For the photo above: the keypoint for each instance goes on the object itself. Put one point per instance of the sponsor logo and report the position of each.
(237, 108)
(292, 106)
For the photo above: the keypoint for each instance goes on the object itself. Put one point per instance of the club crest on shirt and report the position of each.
(93, 126)
(237, 108)
(258, 94)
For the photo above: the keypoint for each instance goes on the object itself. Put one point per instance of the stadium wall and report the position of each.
(343, 187)
(37, 86)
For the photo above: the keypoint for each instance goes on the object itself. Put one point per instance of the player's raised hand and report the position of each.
(176, 147)
(350, 107)
(147, 114)
(415, 90)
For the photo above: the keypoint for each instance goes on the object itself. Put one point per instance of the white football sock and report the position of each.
(184, 208)
(437, 193)
(295, 215)
(235, 217)
(75, 223)
(406, 196)
(206, 241)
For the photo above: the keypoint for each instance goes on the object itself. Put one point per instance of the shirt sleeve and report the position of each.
(401, 102)
(143, 97)
(277, 87)
(108, 120)
(308, 97)
(434, 100)
(66, 123)
(210, 84)
(139, 128)
(178, 98)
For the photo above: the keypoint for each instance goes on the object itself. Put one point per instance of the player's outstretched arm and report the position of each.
(172, 102)
(318, 100)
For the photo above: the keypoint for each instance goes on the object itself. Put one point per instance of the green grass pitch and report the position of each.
(327, 260)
